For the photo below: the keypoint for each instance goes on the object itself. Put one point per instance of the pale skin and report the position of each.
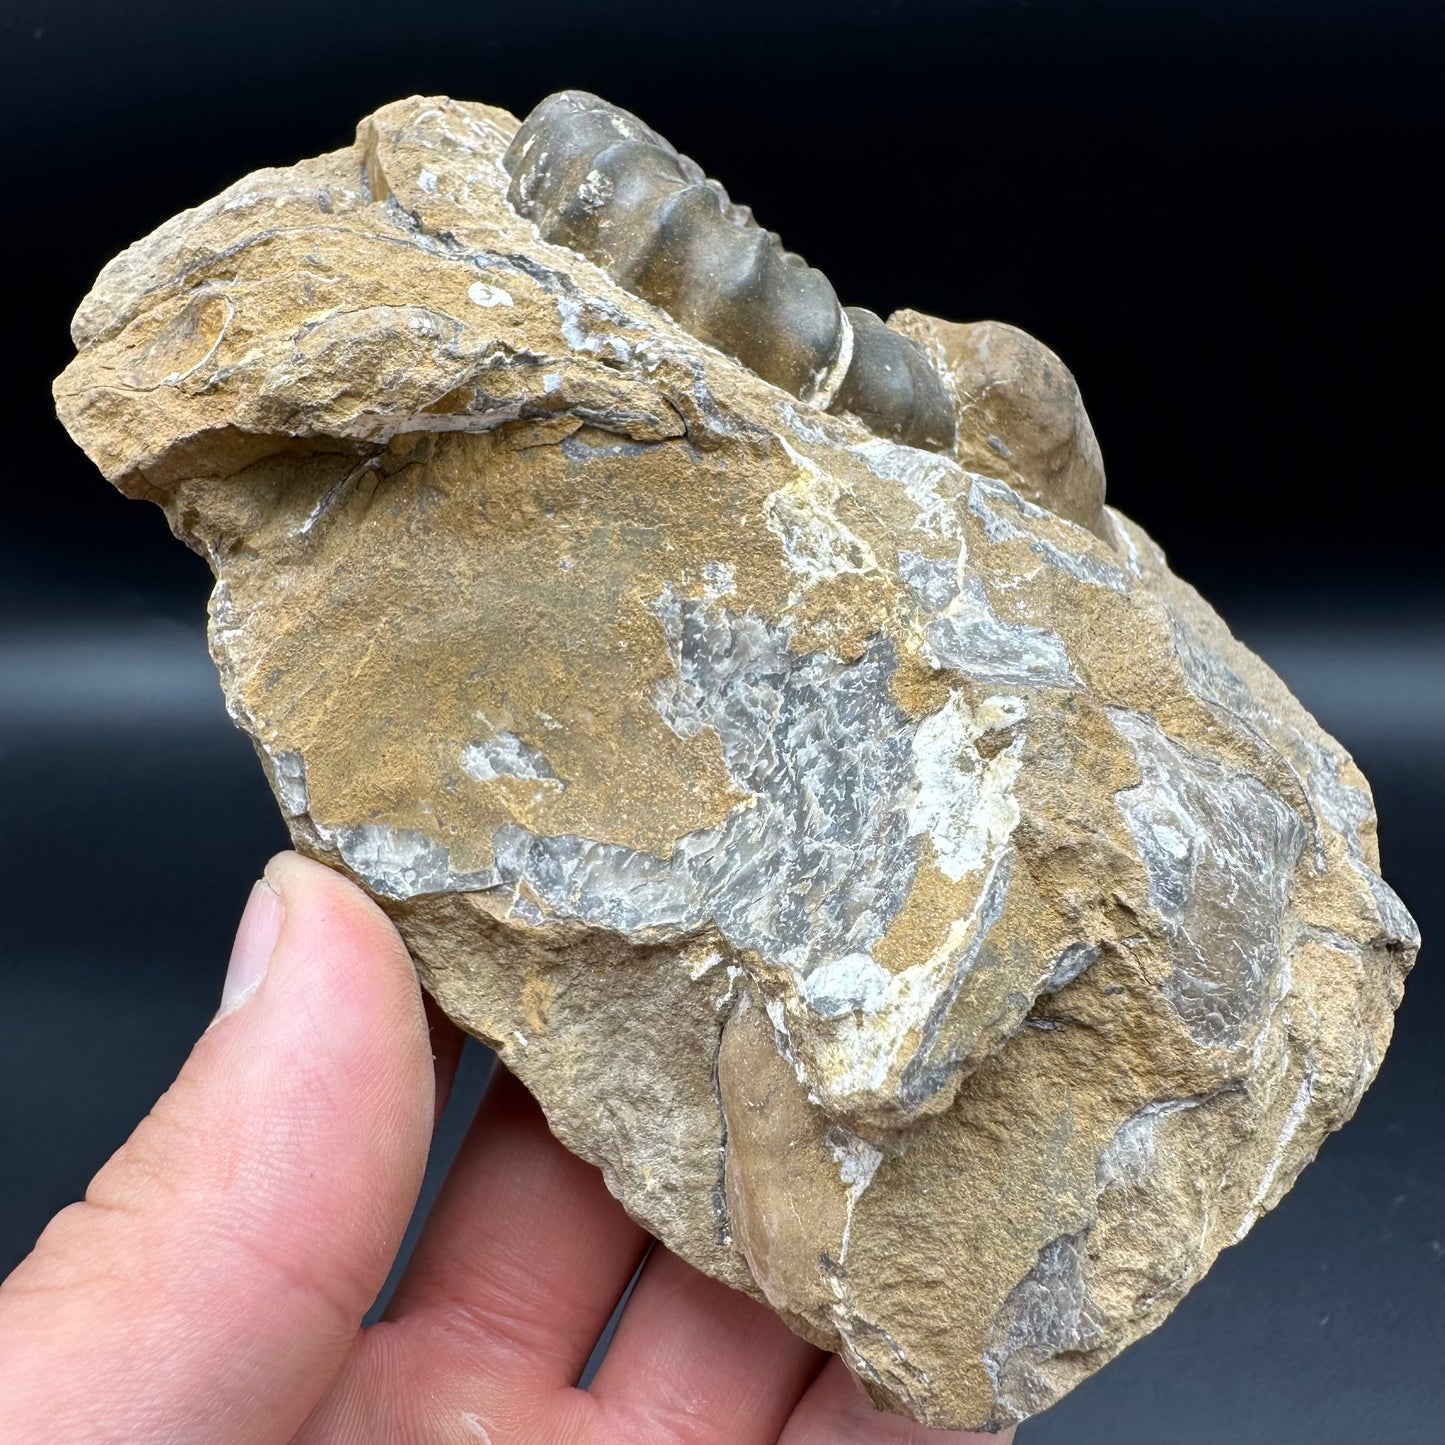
(211, 1286)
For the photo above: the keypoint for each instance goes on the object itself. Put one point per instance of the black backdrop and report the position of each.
(1218, 213)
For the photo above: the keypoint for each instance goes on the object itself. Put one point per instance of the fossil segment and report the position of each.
(595, 178)
(923, 911)
(1020, 415)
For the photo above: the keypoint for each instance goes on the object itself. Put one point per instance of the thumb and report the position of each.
(216, 1273)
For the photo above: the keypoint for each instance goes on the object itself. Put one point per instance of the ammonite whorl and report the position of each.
(593, 177)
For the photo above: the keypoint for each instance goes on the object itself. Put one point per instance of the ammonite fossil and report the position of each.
(595, 178)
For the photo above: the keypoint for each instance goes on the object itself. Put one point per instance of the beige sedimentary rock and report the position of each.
(925, 913)
(1020, 415)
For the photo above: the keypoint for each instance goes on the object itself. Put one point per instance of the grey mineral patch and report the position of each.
(924, 478)
(289, 770)
(1215, 683)
(810, 871)
(1317, 762)
(1071, 963)
(933, 581)
(397, 863)
(505, 755)
(1005, 517)
(1128, 1158)
(815, 865)
(1048, 1313)
(1221, 851)
(401, 862)
(1347, 809)
(968, 636)
(1212, 679)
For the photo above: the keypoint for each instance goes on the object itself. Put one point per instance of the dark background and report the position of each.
(1219, 214)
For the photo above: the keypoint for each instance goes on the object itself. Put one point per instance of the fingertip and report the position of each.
(291, 871)
(314, 894)
(251, 952)
(342, 1002)
(335, 942)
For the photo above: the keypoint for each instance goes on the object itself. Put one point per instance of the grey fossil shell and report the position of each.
(593, 177)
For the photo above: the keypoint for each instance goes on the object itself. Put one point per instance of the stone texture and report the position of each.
(925, 913)
(1020, 415)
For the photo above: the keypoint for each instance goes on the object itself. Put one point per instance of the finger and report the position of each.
(519, 1266)
(694, 1360)
(835, 1411)
(211, 1282)
(524, 1245)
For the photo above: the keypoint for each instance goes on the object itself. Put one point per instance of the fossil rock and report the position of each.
(903, 887)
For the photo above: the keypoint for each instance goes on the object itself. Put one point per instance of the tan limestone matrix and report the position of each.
(903, 887)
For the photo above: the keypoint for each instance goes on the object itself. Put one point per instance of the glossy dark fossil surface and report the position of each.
(594, 177)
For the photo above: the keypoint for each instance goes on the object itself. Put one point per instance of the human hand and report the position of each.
(211, 1286)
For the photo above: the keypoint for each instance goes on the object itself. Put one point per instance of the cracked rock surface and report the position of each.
(897, 881)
